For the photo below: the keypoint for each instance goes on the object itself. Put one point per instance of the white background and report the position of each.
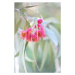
(67, 37)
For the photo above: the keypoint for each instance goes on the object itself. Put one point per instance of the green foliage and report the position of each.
(17, 25)
(45, 53)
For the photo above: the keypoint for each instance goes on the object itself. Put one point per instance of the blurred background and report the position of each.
(48, 56)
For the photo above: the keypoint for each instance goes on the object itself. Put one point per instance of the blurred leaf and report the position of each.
(18, 17)
(35, 56)
(35, 50)
(26, 25)
(41, 43)
(47, 22)
(30, 6)
(51, 55)
(23, 10)
(19, 29)
(18, 25)
(21, 68)
(51, 35)
(57, 66)
(44, 55)
(23, 57)
(17, 43)
(57, 34)
(28, 59)
(18, 5)
(17, 54)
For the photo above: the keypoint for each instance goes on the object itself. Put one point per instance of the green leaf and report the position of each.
(18, 18)
(47, 22)
(18, 25)
(18, 5)
(36, 50)
(35, 56)
(51, 55)
(17, 54)
(57, 66)
(58, 36)
(23, 11)
(17, 43)
(51, 35)
(30, 6)
(41, 42)
(23, 58)
(28, 59)
(21, 68)
(44, 55)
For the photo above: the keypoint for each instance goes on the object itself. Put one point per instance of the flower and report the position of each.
(31, 35)
(39, 25)
(23, 34)
(43, 31)
(34, 37)
(28, 32)
(40, 33)
(40, 21)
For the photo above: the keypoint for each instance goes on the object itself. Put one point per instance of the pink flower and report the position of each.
(43, 31)
(22, 34)
(34, 38)
(28, 32)
(40, 21)
(34, 26)
(40, 33)
(39, 25)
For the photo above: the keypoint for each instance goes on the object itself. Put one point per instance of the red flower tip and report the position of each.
(40, 21)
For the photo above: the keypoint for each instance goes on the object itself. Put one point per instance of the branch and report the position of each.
(32, 6)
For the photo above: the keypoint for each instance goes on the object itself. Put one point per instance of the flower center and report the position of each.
(23, 34)
(39, 34)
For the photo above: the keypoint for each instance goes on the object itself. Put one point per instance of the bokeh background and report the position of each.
(46, 52)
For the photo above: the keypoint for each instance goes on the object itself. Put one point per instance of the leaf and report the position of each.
(23, 11)
(17, 54)
(28, 59)
(30, 6)
(18, 5)
(17, 43)
(18, 25)
(44, 55)
(51, 35)
(58, 38)
(47, 22)
(21, 68)
(57, 66)
(41, 43)
(23, 57)
(35, 51)
(51, 55)
(18, 17)
(19, 29)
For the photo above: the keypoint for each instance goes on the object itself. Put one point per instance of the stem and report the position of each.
(24, 58)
